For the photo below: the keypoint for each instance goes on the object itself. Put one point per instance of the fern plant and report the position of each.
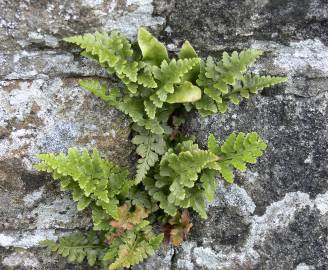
(173, 174)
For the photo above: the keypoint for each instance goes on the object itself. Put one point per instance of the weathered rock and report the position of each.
(277, 218)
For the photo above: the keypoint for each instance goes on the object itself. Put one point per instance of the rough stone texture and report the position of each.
(275, 218)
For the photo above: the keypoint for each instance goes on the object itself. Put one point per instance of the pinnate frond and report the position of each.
(226, 81)
(77, 247)
(149, 148)
(94, 178)
(237, 150)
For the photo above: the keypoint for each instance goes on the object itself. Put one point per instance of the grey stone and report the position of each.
(276, 214)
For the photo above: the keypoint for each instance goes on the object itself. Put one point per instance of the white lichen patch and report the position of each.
(21, 258)
(321, 203)
(276, 218)
(49, 40)
(304, 266)
(303, 55)
(26, 239)
(206, 257)
(128, 22)
(47, 115)
(92, 3)
(234, 196)
(31, 198)
(45, 64)
(58, 214)
(184, 260)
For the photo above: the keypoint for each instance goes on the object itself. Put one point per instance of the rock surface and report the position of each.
(277, 215)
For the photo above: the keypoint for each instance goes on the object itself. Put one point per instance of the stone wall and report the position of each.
(274, 217)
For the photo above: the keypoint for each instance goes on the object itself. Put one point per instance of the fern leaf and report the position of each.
(197, 202)
(209, 184)
(179, 227)
(97, 178)
(170, 73)
(212, 144)
(254, 83)
(134, 108)
(100, 90)
(236, 64)
(145, 77)
(152, 50)
(77, 247)
(113, 51)
(178, 179)
(187, 51)
(238, 150)
(137, 247)
(186, 92)
(127, 219)
(150, 108)
(206, 106)
(225, 81)
(149, 148)
(100, 219)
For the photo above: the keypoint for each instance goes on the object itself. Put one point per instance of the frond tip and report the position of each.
(228, 80)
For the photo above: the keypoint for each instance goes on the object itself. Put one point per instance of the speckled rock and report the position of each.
(275, 216)
(44, 110)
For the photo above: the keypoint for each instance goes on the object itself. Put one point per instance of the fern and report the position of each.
(176, 228)
(77, 247)
(223, 81)
(132, 239)
(169, 75)
(152, 50)
(173, 174)
(151, 83)
(112, 51)
(100, 90)
(177, 183)
(238, 150)
(137, 246)
(149, 148)
(186, 175)
(90, 178)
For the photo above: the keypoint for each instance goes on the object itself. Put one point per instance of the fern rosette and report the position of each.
(173, 174)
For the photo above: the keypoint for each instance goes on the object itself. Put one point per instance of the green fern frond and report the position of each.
(137, 247)
(152, 50)
(155, 93)
(170, 74)
(98, 179)
(177, 184)
(237, 63)
(254, 83)
(77, 247)
(187, 51)
(223, 81)
(149, 148)
(101, 90)
(209, 183)
(145, 76)
(113, 51)
(184, 93)
(238, 150)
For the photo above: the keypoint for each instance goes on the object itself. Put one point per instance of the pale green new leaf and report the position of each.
(152, 50)
(186, 92)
